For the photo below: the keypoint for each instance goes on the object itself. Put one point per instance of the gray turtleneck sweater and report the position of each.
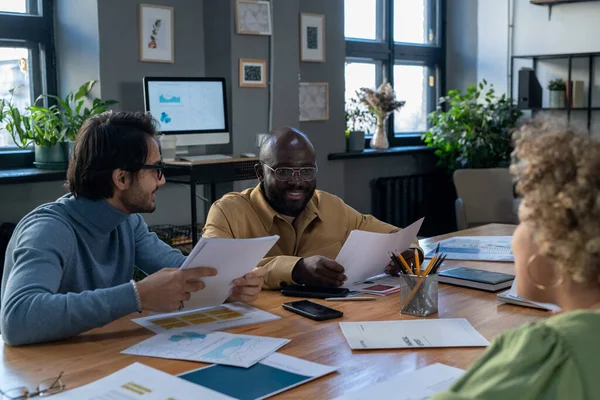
(68, 267)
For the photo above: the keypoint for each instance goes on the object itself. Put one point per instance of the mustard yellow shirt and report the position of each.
(321, 229)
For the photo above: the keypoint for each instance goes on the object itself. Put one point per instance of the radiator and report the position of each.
(401, 200)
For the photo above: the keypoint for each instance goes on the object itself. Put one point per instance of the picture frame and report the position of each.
(312, 37)
(253, 17)
(253, 73)
(156, 28)
(314, 101)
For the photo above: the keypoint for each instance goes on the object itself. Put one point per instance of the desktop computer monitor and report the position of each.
(193, 109)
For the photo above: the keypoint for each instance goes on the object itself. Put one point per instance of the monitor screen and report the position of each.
(187, 105)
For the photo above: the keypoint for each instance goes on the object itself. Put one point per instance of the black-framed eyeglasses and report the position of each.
(45, 388)
(158, 167)
(285, 174)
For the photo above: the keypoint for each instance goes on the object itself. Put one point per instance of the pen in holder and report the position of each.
(419, 295)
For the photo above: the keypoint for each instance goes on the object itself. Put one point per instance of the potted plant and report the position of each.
(557, 93)
(358, 119)
(474, 131)
(52, 129)
(381, 103)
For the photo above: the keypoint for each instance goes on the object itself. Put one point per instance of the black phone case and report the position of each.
(294, 291)
(332, 315)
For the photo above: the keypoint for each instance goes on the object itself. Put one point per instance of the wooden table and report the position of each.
(95, 354)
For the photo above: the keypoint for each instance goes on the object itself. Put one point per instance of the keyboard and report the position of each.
(205, 157)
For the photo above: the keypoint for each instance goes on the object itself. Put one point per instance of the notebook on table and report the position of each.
(476, 278)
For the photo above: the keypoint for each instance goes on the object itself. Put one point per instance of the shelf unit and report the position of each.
(569, 57)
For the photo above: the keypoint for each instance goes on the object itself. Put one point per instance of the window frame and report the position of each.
(33, 30)
(391, 53)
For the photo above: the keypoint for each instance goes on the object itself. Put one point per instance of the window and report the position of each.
(399, 41)
(360, 74)
(26, 54)
(360, 19)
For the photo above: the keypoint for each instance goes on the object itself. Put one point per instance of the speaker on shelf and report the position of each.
(530, 90)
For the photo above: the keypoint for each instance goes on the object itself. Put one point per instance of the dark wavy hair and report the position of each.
(106, 142)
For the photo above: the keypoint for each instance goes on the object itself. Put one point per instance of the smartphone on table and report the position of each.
(312, 310)
(318, 292)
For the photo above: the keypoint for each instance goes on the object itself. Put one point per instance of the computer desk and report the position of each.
(95, 354)
(208, 173)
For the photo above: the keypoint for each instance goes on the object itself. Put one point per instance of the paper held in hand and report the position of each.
(232, 258)
(365, 254)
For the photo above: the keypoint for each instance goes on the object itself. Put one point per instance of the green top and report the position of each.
(557, 358)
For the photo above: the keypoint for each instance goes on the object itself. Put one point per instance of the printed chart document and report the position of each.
(511, 297)
(381, 285)
(139, 381)
(272, 375)
(232, 258)
(420, 384)
(476, 248)
(208, 347)
(452, 332)
(365, 254)
(217, 318)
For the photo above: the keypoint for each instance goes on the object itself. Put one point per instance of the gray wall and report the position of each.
(77, 44)
(461, 44)
(121, 72)
(206, 44)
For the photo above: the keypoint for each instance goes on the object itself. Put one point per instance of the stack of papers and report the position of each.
(381, 285)
(226, 316)
(453, 332)
(511, 297)
(415, 385)
(140, 381)
(208, 347)
(365, 254)
(272, 375)
(476, 248)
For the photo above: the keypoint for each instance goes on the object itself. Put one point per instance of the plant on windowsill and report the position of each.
(475, 131)
(358, 120)
(52, 129)
(557, 89)
(381, 103)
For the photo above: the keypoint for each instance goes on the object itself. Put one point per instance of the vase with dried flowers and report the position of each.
(381, 102)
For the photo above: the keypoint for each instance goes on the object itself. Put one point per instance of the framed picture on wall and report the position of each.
(156, 33)
(312, 37)
(253, 73)
(253, 17)
(314, 101)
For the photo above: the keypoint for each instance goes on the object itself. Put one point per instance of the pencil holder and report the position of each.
(419, 295)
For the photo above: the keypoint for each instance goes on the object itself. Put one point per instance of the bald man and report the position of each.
(313, 225)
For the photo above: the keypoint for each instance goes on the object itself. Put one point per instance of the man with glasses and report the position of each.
(69, 264)
(313, 225)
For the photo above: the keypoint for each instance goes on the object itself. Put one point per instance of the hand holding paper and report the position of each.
(365, 254)
(233, 259)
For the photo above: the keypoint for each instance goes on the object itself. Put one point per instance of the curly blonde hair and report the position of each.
(558, 174)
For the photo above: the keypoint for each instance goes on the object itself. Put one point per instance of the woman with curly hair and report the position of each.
(557, 260)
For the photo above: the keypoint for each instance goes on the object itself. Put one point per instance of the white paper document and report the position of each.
(226, 316)
(208, 347)
(476, 248)
(452, 332)
(365, 254)
(420, 384)
(138, 381)
(274, 374)
(511, 297)
(232, 258)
